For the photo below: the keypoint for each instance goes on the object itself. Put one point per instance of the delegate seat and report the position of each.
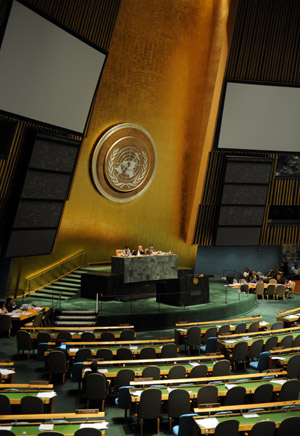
(193, 338)
(178, 404)
(185, 426)
(263, 428)
(150, 407)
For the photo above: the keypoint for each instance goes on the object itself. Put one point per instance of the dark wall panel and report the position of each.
(238, 235)
(245, 194)
(241, 215)
(30, 242)
(33, 214)
(46, 186)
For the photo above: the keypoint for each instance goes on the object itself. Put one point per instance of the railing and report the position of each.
(55, 272)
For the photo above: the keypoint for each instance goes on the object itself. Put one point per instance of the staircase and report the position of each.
(76, 318)
(66, 287)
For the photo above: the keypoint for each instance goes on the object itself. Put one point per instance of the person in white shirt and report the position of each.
(126, 252)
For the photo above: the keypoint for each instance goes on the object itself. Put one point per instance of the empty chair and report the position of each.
(239, 353)
(287, 341)
(64, 336)
(50, 433)
(277, 325)
(222, 367)
(177, 371)
(296, 341)
(124, 377)
(5, 324)
(280, 292)
(76, 373)
(263, 428)
(210, 346)
(224, 329)
(210, 332)
(240, 328)
(178, 404)
(253, 327)
(123, 400)
(43, 337)
(273, 281)
(270, 343)
(260, 290)
(150, 406)
(245, 288)
(229, 427)
(270, 291)
(23, 342)
(185, 426)
(31, 404)
(289, 391)
(127, 335)
(47, 319)
(255, 349)
(57, 364)
(235, 395)
(83, 354)
(5, 405)
(262, 363)
(198, 371)
(107, 337)
(207, 395)
(96, 388)
(5, 432)
(263, 393)
(289, 426)
(88, 431)
(147, 353)
(151, 372)
(105, 354)
(124, 354)
(88, 337)
(293, 366)
(169, 350)
(193, 338)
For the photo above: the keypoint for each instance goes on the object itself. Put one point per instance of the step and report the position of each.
(62, 287)
(74, 324)
(79, 312)
(68, 279)
(48, 297)
(70, 318)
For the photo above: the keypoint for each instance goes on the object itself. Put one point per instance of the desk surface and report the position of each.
(66, 428)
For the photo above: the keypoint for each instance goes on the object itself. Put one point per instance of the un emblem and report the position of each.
(124, 162)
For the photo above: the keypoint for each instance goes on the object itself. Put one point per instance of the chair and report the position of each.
(124, 377)
(185, 426)
(23, 342)
(293, 366)
(123, 400)
(37, 321)
(147, 353)
(105, 354)
(198, 371)
(88, 337)
(88, 431)
(5, 432)
(178, 404)
(229, 427)
(289, 426)
(193, 338)
(296, 341)
(43, 337)
(287, 341)
(50, 433)
(5, 324)
(235, 395)
(239, 353)
(83, 354)
(277, 325)
(41, 348)
(270, 343)
(64, 336)
(289, 391)
(262, 363)
(176, 372)
(107, 337)
(273, 281)
(207, 395)
(118, 252)
(263, 393)
(57, 364)
(76, 373)
(151, 372)
(280, 292)
(222, 367)
(255, 349)
(263, 428)
(96, 388)
(31, 405)
(240, 328)
(270, 291)
(260, 290)
(150, 407)
(253, 327)
(47, 319)
(127, 335)
(224, 329)
(210, 332)
(245, 288)
(210, 346)
(124, 354)
(5, 405)
(169, 350)
(292, 290)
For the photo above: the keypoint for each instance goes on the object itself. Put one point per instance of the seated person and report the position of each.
(139, 251)
(296, 270)
(59, 347)
(126, 252)
(3, 309)
(151, 250)
(246, 274)
(10, 304)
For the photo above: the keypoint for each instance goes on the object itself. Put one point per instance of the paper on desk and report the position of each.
(5, 427)
(229, 385)
(46, 427)
(230, 341)
(6, 371)
(263, 323)
(208, 422)
(73, 350)
(102, 371)
(277, 358)
(51, 394)
(38, 308)
(137, 393)
(290, 316)
(181, 330)
(246, 338)
(194, 363)
(278, 380)
(250, 415)
(171, 389)
(16, 315)
(98, 425)
(133, 347)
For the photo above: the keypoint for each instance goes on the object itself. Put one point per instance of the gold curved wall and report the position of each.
(159, 74)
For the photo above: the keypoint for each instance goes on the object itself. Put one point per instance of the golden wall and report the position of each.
(160, 73)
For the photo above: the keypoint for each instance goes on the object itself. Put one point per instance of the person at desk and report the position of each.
(139, 251)
(126, 252)
(3, 309)
(296, 270)
(151, 250)
(10, 304)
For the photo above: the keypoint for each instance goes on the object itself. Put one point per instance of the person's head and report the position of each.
(94, 366)
(127, 249)
(247, 269)
(9, 300)
(151, 247)
(140, 248)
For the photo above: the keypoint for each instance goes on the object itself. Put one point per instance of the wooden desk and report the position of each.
(42, 417)
(211, 410)
(10, 376)
(75, 335)
(223, 321)
(66, 428)
(80, 329)
(15, 397)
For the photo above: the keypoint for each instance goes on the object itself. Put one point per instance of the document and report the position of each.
(208, 422)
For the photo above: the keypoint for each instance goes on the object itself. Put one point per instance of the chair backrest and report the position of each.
(150, 403)
(57, 362)
(228, 427)
(5, 323)
(64, 336)
(177, 371)
(30, 404)
(222, 367)
(124, 398)
(107, 336)
(289, 426)
(43, 337)
(253, 327)
(270, 343)
(38, 319)
(124, 354)
(277, 325)
(271, 288)
(280, 291)
(244, 287)
(211, 344)
(287, 341)
(207, 394)
(88, 337)
(95, 386)
(124, 377)
(169, 350)
(239, 351)
(147, 353)
(240, 328)
(83, 354)
(105, 354)
(263, 393)
(235, 395)
(127, 335)
(198, 371)
(296, 341)
(256, 349)
(273, 281)
(23, 340)
(5, 405)
(193, 336)
(290, 390)
(178, 403)
(225, 328)
(260, 288)
(186, 424)
(263, 428)
(151, 371)
(210, 332)
(263, 360)
(293, 366)
(88, 431)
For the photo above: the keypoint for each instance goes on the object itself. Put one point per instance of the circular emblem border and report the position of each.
(125, 132)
